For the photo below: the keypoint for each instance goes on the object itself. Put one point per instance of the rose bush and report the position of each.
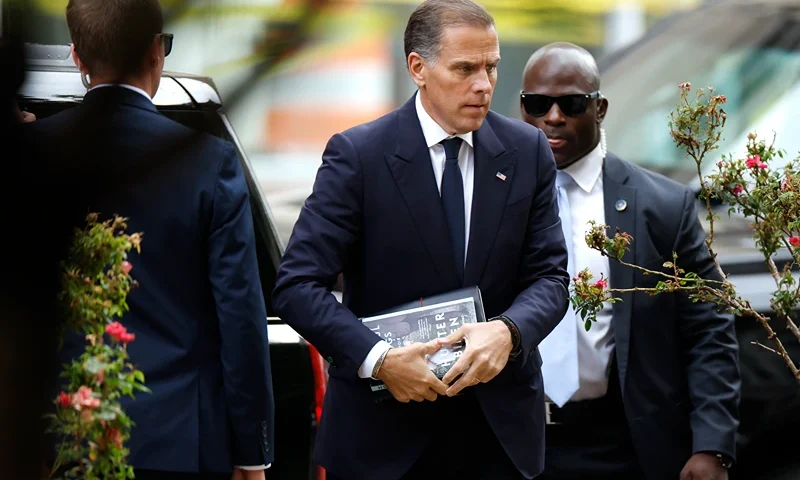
(750, 185)
(88, 416)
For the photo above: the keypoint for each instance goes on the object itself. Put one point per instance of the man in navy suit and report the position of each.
(651, 391)
(437, 195)
(198, 314)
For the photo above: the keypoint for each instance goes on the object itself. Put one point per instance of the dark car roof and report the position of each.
(51, 76)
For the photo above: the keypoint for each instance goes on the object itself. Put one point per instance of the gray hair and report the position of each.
(426, 25)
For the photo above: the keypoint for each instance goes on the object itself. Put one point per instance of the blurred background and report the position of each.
(293, 72)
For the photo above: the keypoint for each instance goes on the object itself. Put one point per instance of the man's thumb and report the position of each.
(429, 348)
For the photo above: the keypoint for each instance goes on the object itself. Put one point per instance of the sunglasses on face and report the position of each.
(168, 39)
(574, 105)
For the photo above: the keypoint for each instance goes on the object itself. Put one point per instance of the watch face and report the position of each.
(725, 461)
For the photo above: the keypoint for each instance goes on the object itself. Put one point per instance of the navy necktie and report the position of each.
(453, 200)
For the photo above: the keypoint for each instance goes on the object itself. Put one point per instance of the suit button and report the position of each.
(264, 425)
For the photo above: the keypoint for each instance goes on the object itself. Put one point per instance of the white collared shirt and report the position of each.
(596, 346)
(123, 85)
(434, 133)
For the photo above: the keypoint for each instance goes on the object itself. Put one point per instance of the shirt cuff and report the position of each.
(372, 357)
(257, 467)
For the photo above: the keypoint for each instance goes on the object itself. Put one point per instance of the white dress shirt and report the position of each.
(123, 85)
(596, 346)
(434, 134)
(142, 92)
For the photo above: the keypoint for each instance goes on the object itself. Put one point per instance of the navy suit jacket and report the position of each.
(375, 214)
(677, 359)
(199, 313)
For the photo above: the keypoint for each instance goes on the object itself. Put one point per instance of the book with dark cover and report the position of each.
(425, 320)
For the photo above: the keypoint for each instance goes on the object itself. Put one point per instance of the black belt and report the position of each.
(606, 410)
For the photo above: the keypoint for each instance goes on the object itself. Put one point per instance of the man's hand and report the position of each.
(240, 474)
(486, 354)
(406, 373)
(704, 466)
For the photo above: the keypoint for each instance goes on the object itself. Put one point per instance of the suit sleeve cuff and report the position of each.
(365, 371)
(257, 467)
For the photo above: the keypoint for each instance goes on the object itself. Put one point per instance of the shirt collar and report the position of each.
(587, 170)
(432, 131)
(129, 87)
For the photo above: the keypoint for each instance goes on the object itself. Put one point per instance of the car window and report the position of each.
(750, 55)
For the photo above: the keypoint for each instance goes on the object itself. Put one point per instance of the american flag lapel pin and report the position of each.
(501, 176)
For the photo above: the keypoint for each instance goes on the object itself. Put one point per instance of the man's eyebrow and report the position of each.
(463, 63)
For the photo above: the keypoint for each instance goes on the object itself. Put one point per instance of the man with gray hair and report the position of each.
(437, 195)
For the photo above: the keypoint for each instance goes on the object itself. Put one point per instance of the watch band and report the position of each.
(378, 364)
(725, 461)
(516, 338)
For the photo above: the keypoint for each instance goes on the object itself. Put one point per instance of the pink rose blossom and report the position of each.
(83, 398)
(126, 267)
(795, 241)
(602, 284)
(755, 162)
(737, 189)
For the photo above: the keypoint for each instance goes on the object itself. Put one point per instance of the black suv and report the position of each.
(53, 83)
(749, 50)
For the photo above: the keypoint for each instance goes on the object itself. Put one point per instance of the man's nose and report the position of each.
(482, 83)
(554, 116)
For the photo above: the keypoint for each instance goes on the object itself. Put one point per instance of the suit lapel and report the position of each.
(620, 211)
(412, 171)
(488, 199)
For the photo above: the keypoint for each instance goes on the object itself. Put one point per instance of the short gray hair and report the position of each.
(426, 25)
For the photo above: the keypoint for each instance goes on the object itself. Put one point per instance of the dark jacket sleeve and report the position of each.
(236, 285)
(711, 346)
(543, 267)
(329, 225)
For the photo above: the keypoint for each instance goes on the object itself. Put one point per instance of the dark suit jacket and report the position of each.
(678, 360)
(198, 314)
(375, 214)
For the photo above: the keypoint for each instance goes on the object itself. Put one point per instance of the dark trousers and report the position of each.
(590, 439)
(161, 475)
(476, 454)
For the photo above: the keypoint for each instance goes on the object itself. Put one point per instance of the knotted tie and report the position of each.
(559, 350)
(453, 200)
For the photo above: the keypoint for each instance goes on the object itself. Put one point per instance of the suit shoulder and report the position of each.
(374, 129)
(512, 129)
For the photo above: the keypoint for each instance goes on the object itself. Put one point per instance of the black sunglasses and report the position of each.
(168, 39)
(571, 105)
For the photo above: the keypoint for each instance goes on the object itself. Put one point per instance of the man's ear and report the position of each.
(602, 109)
(77, 60)
(155, 53)
(418, 68)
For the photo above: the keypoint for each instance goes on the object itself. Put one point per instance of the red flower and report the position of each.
(126, 267)
(601, 284)
(64, 400)
(795, 241)
(114, 436)
(118, 332)
(737, 189)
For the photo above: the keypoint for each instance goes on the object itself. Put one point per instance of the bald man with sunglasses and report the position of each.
(651, 391)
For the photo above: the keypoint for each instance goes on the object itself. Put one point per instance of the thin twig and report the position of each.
(765, 347)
